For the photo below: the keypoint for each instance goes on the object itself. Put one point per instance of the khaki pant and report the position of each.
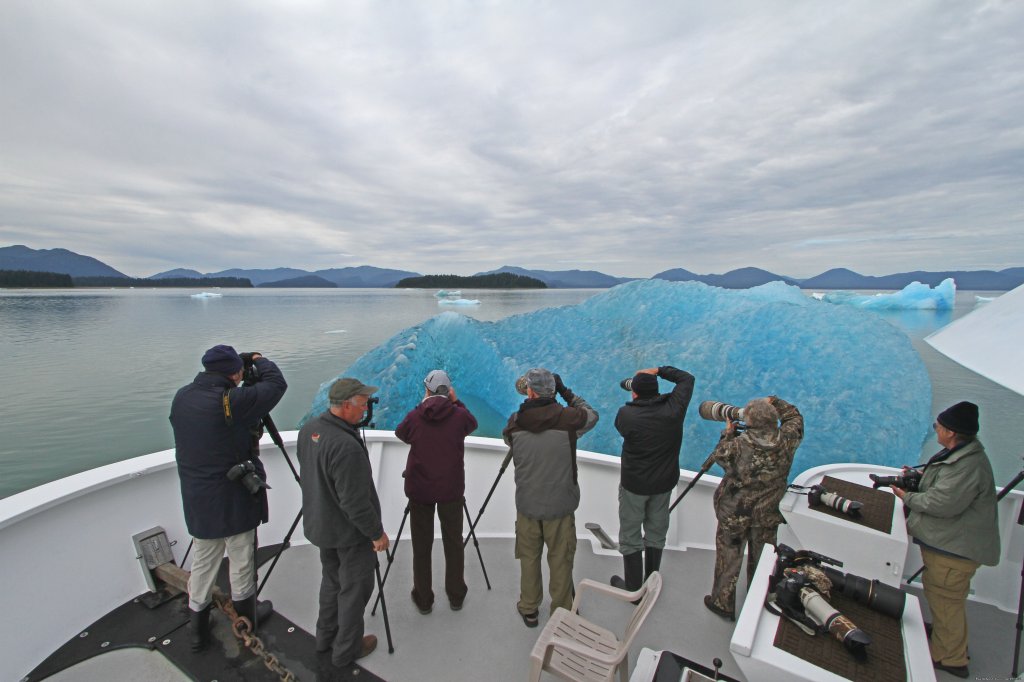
(241, 550)
(560, 537)
(947, 580)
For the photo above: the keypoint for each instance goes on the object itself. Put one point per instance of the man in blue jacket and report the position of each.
(435, 476)
(341, 516)
(651, 426)
(217, 426)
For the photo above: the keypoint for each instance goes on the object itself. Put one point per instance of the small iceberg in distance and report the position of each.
(448, 294)
(206, 294)
(914, 296)
(458, 301)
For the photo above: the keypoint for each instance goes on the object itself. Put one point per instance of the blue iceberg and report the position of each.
(914, 296)
(861, 386)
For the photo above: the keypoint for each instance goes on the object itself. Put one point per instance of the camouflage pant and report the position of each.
(733, 534)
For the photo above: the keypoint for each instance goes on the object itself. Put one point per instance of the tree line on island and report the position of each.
(502, 280)
(30, 279)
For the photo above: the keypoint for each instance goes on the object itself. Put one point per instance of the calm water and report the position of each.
(89, 375)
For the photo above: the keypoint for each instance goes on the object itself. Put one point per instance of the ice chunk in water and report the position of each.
(861, 386)
(914, 296)
(458, 301)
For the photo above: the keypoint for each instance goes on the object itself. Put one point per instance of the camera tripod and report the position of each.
(394, 551)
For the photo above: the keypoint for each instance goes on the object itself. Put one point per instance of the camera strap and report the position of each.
(229, 419)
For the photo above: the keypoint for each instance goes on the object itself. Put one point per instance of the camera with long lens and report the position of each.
(874, 594)
(245, 473)
(818, 496)
(715, 411)
(801, 600)
(909, 481)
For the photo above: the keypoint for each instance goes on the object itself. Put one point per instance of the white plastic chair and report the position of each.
(573, 648)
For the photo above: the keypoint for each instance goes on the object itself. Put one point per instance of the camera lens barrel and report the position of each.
(713, 410)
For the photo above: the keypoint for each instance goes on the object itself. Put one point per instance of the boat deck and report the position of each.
(488, 640)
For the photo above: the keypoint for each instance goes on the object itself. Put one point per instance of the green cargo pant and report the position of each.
(560, 537)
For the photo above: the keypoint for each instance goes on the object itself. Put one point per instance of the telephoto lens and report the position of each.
(626, 384)
(818, 495)
(719, 412)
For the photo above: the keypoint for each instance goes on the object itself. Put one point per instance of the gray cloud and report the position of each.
(458, 137)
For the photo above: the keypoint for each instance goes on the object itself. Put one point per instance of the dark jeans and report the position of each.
(421, 523)
(345, 588)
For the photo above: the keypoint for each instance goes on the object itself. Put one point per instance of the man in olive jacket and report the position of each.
(341, 516)
(542, 438)
(953, 519)
(216, 426)
(651, 426)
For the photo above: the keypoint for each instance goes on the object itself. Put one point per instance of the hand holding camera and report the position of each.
(562, 390)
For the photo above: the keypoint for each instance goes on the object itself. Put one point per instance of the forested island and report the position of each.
(31, 279)
(501, 280)
(28, 279)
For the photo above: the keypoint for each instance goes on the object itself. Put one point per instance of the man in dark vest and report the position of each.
(217, 428)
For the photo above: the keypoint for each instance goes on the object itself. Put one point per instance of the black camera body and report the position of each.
(245, 473)
(910, 481)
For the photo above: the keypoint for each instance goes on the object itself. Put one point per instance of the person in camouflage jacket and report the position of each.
(756, 464)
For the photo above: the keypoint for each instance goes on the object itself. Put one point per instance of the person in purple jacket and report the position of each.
(435, 475)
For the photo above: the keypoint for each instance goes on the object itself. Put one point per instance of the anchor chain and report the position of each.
(242, 627)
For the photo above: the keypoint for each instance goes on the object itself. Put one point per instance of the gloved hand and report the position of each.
(562, 390)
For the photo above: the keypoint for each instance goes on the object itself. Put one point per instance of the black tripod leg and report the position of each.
(501, 471)
(383, 606)
(391, 560)
(476, 543)
(284, 545)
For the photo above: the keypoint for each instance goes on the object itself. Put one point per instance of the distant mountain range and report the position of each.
(366, 276)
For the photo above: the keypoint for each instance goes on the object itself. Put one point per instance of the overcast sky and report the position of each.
(626, 137)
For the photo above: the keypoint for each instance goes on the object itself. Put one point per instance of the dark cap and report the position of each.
(346, 387)
(961, 418)
(541, 381)
(222, 359)
(644, 385)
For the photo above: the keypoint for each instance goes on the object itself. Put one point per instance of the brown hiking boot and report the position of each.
(369, 644)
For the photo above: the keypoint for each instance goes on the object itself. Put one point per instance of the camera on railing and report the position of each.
(910, 480)
(245, 473)
(874, 594)
(818, 496)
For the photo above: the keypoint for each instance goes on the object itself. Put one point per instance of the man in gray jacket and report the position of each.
(341, 516)
(953, 519)
(542, 438)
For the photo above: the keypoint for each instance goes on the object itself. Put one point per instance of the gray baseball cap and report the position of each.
(541, 381)
(436, 379)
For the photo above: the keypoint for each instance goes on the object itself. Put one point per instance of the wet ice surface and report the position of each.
(863, 389)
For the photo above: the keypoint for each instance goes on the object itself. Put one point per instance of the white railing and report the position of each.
(68, 557)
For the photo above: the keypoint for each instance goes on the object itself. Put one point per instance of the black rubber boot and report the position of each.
(652, 561)
(256, 613)
(199, 628)
(633, 567)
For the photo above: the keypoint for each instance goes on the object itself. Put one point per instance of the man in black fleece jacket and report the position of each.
(651, 426)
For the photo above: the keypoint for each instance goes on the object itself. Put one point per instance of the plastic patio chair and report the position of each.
(573, 648)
